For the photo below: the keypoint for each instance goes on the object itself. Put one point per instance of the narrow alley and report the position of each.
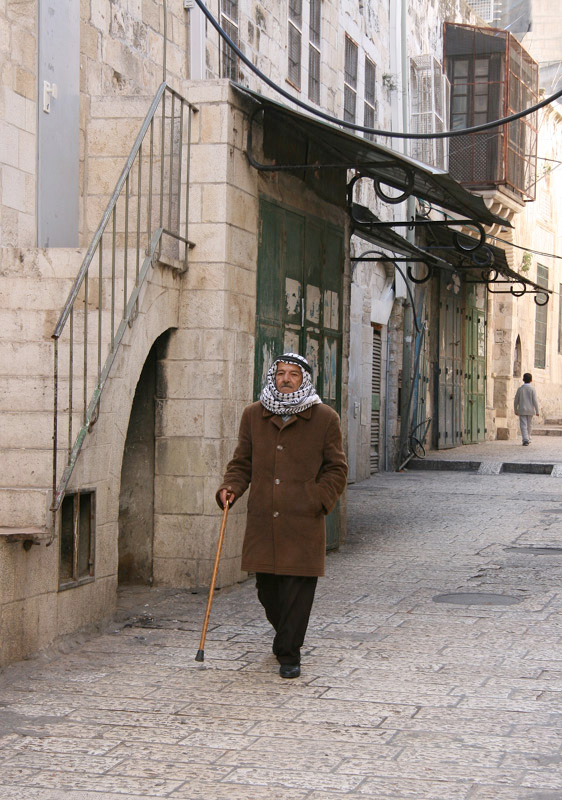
(432, 669)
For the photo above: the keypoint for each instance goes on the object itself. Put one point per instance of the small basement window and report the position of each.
(77, 538)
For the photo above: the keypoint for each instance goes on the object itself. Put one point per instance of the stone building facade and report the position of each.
(205, 265)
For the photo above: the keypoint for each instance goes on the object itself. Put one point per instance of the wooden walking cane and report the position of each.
(201, 652)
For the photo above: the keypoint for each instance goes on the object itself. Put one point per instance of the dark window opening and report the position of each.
(350, 80)
(295, 42)
(229, 22)
(541, 321)
(314, 51)
(370, 104)
(77, 537)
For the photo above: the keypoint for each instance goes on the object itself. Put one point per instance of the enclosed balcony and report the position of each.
(491, 76)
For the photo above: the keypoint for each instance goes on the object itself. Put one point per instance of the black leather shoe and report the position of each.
(289, 670)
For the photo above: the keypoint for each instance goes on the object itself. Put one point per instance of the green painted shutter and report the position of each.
(475, 371)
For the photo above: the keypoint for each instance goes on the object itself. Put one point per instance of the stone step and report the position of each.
(553, 422)
(547, 430)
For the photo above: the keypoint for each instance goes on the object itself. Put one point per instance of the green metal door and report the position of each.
(450, 363)
(299, 291)
(475, 368)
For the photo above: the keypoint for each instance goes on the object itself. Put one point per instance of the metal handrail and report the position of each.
(162, 209)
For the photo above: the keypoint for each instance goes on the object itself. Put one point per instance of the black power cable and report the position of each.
(362, 128)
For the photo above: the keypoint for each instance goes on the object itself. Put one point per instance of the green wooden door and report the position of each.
(475, 369)
(299, 308)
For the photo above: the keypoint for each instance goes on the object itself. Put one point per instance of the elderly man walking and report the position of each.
(290, 453)
(526, 405)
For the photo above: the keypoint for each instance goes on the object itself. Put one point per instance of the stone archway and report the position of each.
(136, 498)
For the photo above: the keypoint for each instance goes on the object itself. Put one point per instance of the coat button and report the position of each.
(279, 446)
(275, 513)
(277, 481)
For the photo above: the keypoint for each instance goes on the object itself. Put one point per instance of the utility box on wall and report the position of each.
(58, 118)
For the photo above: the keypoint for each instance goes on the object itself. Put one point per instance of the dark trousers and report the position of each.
(287, 600)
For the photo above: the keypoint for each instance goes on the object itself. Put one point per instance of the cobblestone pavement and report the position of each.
(402, 696)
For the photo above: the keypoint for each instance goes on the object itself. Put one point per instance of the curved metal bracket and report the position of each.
(379, 191)
(489, 258)
(471, 248)
(542, 302)
(249, 146)
(425, 278)
(410, 179)
(349, 197)
(511, 290)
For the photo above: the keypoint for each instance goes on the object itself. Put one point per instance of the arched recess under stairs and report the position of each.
(136, 499)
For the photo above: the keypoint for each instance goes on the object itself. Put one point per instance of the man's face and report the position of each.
(288, 377)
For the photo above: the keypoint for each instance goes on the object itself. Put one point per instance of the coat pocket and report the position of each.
(312, 504)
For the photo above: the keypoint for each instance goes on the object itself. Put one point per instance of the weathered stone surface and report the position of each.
(399, 697)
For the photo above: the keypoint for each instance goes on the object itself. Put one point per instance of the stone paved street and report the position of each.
(402, 696)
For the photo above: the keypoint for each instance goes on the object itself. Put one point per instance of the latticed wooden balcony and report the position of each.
(491, 77)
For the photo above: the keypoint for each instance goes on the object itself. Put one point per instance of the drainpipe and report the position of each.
(164, 67)
(405, 404)
(197, 23)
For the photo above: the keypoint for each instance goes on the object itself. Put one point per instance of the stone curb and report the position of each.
(486, 467)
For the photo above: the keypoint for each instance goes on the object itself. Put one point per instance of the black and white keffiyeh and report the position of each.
(294, 402)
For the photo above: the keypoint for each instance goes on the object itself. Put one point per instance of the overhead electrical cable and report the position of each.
(363, 128)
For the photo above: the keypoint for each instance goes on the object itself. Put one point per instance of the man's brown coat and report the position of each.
(296, 472)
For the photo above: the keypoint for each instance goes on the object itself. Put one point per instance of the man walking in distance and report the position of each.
(526, 405)
(290, 453)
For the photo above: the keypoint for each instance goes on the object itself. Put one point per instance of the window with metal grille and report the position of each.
(484, 8)
(541, 321)
(295, 42)
(229, 23)
(314, 51)
(350, 80)
(77, 538)
(429, 110)
(370, 103)
(491, 76)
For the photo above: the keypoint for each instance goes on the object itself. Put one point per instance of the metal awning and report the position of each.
(330, 147)
(365, 223)
(482, 264)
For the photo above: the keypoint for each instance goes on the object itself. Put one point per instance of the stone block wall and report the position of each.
(121, 63)
(33, 283)
(205, 379)
(18, 123)
(33, 612)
